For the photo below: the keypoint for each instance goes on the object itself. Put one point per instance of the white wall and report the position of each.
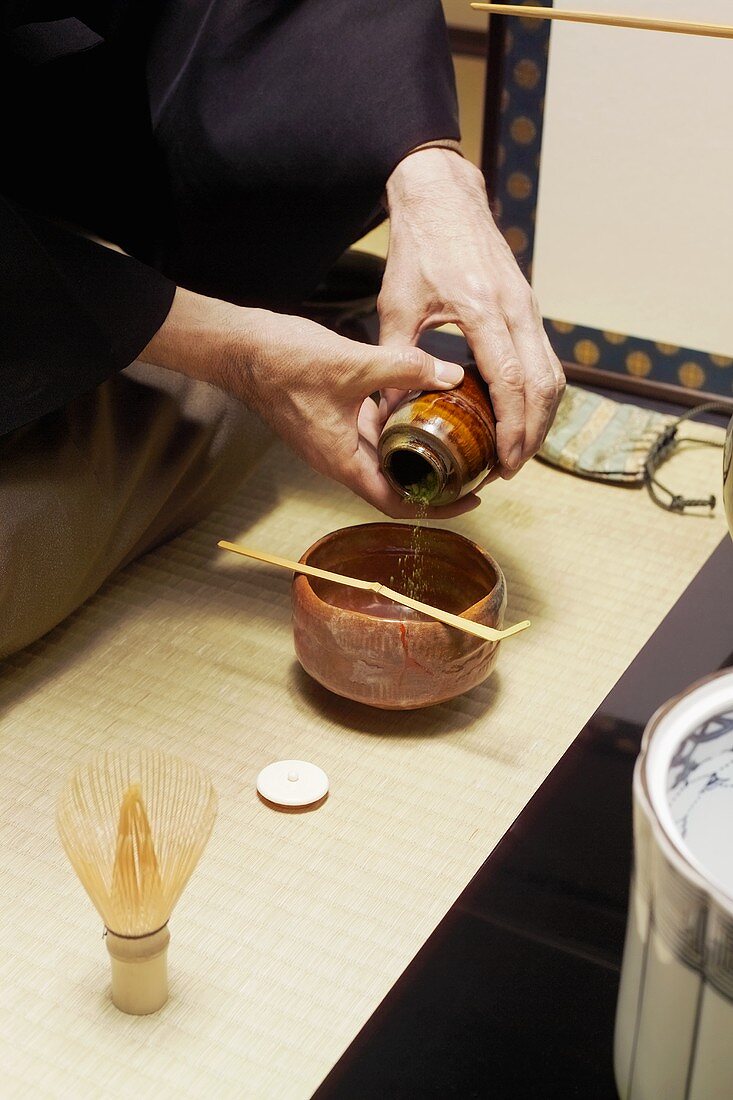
(635, 219)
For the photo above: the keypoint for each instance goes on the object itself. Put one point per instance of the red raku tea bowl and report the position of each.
(365, 647)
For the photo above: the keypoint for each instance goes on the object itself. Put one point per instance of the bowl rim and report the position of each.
(470, 612)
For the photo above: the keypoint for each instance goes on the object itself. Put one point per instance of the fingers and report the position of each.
(540, 385)
(370, 421)
(399, 323)
(390, 399)
(559, 375)
(395, 331)
(499, 364)
(404, 368)
(525, 379)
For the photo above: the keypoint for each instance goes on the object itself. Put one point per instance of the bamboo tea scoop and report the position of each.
(478, 629)
(607, 19)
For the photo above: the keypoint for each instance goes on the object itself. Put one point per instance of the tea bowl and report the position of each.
(365, 647)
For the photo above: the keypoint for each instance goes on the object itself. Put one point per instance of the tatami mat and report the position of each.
(295, 926)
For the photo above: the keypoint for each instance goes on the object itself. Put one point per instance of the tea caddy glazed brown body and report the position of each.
(385, 659)
(436, 447)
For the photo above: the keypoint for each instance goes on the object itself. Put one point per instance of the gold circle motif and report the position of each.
(516, 238)
(562, 326)
(587, 353)
(523, 130)
(527, 73)
(614, 338)
(667, 349)
(721, 361)
(638, 363)
(691, 375)
(519, 185)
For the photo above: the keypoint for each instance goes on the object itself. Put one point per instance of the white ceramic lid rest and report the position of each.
(292, 783)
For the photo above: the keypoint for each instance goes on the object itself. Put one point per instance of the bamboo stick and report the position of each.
(606, 19)
(488, 633)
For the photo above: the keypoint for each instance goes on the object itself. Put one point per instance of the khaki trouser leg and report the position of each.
(91, 487)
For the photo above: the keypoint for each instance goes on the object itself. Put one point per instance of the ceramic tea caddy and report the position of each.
(438, 446)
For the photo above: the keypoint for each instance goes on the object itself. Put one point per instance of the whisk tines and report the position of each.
(134, 825)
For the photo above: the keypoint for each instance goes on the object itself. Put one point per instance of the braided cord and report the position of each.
(663, 449)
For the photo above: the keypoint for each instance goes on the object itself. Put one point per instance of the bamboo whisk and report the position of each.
(134, 826)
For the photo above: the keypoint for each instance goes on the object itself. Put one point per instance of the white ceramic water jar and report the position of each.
(674, 1022)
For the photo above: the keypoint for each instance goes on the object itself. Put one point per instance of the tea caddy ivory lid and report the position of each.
(292, 783)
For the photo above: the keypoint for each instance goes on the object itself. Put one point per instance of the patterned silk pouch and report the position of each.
(598, 438)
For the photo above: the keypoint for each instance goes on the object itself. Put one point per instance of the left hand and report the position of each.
(448, 262)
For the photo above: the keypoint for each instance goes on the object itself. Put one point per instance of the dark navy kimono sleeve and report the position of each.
(77, 151)
(235, 147)
(72, 313)
(279, 123)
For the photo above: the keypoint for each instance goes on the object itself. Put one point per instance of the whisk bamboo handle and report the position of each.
(139, 971)
(488, 633)
(607, 19)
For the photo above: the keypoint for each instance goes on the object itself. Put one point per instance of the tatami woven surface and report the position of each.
(295, 926)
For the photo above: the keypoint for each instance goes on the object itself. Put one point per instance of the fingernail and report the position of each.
(449, 373)
(514, 457)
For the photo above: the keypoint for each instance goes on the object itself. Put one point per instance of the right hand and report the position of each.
(310, 385)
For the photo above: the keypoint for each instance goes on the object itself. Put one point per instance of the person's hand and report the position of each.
(310, 385)
(448, 262)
